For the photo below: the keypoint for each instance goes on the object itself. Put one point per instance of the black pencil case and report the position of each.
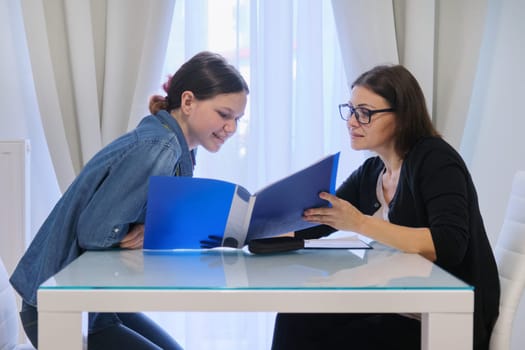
(275, 244)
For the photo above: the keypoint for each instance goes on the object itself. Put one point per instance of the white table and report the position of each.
(377, 280)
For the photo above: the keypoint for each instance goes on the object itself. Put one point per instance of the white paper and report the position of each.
(350, 242)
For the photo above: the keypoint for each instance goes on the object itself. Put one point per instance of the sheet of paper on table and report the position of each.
(340, 240)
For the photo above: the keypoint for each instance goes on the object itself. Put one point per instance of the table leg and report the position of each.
(446, 331)
(60, 330)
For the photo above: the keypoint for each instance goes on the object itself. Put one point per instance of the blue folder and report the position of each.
(192, 213)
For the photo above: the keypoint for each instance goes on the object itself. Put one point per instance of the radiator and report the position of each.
(14, 200)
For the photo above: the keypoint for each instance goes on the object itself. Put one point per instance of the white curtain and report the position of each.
(95, 63)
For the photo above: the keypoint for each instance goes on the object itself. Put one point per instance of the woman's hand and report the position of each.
(134, 239)
(341, 216)
(345, 217)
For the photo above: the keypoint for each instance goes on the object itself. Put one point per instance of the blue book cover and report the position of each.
(194, 213)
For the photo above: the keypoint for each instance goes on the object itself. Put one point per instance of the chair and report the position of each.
(8, 315)
(510, 257)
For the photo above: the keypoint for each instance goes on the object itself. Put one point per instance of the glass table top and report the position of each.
(234, 269)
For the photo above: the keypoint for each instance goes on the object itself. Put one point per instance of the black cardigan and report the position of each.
(435, 190)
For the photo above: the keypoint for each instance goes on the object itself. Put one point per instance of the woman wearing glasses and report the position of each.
(415, 195)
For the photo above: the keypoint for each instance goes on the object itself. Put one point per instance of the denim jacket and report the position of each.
(107, 196)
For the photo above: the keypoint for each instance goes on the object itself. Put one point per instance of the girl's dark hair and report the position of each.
(402, 91)
(206, 75)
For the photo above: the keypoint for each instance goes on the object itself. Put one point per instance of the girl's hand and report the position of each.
(134, 239)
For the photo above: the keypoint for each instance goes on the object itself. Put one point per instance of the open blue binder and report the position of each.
(193, 213)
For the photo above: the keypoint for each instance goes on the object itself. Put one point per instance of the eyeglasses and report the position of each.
(362, 115)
